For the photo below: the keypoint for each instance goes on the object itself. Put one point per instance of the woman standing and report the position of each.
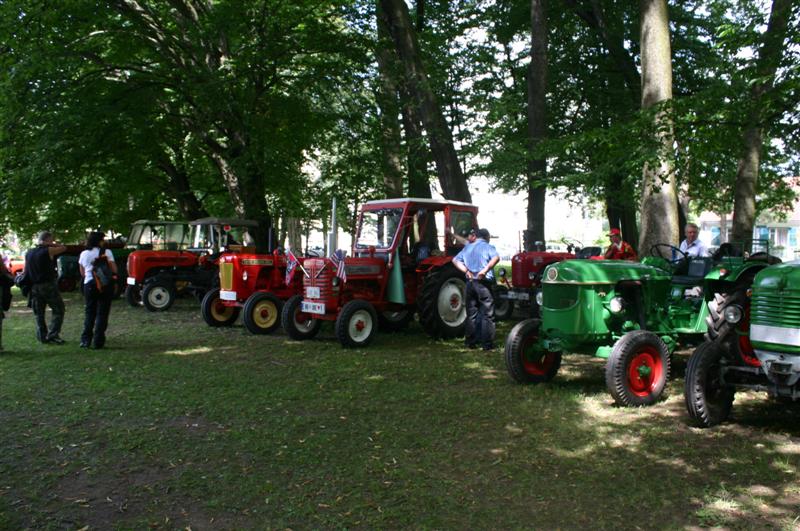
(6, 281)
(98, 301)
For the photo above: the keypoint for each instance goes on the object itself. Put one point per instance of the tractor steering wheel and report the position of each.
(679, 257)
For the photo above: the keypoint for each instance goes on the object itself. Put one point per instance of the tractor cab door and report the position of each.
(459, 222)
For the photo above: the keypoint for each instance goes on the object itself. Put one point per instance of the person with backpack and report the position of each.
(99, 274)
(41, 276)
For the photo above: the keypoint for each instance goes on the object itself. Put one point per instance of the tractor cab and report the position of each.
(217, 235)
(400, 263)
(158, 235)
(184, 262)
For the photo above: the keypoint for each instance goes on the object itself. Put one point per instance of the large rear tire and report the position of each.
(215, 313)
(638, 368)
(442, 303)
(298, 325)
(735, 336)
(708, 402)
(356, 324)
(158, 295)
(262, 313)
(503, 306)
(526, 360)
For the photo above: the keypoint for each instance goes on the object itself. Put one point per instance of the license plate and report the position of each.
(227, 295)
(313, 307)
(312, 292)
(131, 281)
(519, 295)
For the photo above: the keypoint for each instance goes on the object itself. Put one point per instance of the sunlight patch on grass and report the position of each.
(375, 378)
(188, 351)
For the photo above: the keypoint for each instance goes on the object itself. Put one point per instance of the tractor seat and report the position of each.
(698, 269)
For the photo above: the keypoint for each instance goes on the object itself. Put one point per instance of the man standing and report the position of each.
(40, 266)
(619, 248)
(476, 261)
(691, 245)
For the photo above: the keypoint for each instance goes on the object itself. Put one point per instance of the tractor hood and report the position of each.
(779, 277)
(600, 272)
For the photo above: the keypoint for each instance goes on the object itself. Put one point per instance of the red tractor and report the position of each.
(526, 275)
(254, 283)
(401, 264)
(155, 276)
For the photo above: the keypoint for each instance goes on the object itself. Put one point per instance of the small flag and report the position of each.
(338, 260)
(291, 265)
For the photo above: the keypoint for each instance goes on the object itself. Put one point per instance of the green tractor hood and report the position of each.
(775, 309)
(601, 272)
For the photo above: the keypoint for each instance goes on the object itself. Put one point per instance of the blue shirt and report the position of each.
(476, 256)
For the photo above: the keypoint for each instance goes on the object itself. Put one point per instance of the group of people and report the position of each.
(42, 278)
(622, 250)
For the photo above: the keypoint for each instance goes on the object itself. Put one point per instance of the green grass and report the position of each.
(177, 424)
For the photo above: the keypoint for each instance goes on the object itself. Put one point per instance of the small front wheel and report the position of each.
(708, 401)
(298, 325)
(356, 324)
(215, 313)
(503, 306)
(637, 369)
(526, 360)
(133, 294)
(158, 295)
(262, 313)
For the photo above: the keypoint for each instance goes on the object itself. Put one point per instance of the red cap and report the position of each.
(614, 232)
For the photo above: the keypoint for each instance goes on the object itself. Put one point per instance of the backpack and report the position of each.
(23, 282)
(103, 275)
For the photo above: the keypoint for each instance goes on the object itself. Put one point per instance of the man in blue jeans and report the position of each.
(477, 260)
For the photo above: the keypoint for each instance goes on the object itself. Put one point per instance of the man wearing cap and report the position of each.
(619, 249)
(476, 260)
(40, 266)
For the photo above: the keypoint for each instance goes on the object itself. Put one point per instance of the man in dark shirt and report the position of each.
(40, 266)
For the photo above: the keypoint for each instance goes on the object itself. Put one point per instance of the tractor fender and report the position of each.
(432, 262)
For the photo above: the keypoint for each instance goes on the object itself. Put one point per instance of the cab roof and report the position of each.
(225, 221)
(158, 222)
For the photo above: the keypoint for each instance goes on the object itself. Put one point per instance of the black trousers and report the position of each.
(46, 294)
(480, 314)
(95, 321)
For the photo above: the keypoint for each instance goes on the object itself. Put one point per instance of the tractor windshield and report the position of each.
(158, 237)
(378, 228)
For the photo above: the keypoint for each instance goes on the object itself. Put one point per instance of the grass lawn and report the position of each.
(179, 425)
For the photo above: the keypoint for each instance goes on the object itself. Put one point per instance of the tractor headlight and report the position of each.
(501, 272)
(733, 314)
(552, 274)
(531, 276)
(244, 276)
(335, 281)
(539, 297)
(616, 305)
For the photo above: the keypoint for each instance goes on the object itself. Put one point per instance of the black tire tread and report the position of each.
(616, 368)
(250, 305)
(427, 304)
(702, 360)
(343, 320)
(513, 358)
(287, 320)
(205, 310)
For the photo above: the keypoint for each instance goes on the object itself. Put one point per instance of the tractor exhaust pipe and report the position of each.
(332, 235)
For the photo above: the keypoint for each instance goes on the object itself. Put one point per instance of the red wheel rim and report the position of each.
(455, 301)
(745, 347)
(645, 371)
(536, 362)
(264, 313)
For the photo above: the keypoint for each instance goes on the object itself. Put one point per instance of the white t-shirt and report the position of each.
(87, 258)
(695, 249)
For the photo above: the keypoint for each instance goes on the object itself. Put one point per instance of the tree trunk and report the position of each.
(180, 188)
(417, 153)
(448, 168)
(659, 207)
(769, 57)
(537, 124)
(388, 69)
(294, 234)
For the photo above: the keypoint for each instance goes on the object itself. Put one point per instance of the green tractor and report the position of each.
(759, 349)
(634, 315)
